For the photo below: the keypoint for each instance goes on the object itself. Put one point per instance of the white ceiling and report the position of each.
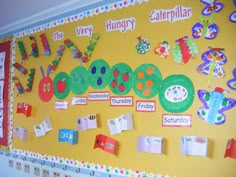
(15, 14)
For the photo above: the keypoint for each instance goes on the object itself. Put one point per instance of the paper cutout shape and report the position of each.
(87, 122)
(232, 16)
(232, 82)
(211, 7)
(230, 150)
(214, 105)
(121, 79)
(43, 128)
(75, 52)
(105, 143)
(1, 124)
(45, 44)
(146, 81)
(45, 87)
(143, 45)
(1, 93)
(184, 50)
(204, 29)
(30, 80)
(21, 133)
(121, 123)
(68, 135)
(24, 108)
(18, 85)
(22, 51)
(194, 145)
(34, 46)
(212, 65)
(79, 80)
(57, 59)
(20, 68)
(61, 85)
(99, 74)
(150, 144)
(176, 93)
(162, 49)
(2, 64)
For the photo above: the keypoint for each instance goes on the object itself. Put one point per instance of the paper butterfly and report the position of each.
(143, 45)
(211, 7)
(162, 49)
(204, 29)
(232, 82)
(214, 105)
(213, 61)
(232, 16)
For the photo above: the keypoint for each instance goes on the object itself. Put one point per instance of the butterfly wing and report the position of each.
(204, 97)
(232, 82)
(177, 53)
(218, 6)
(212, 31)
(211, 7)
(232, 17)
(197, 30)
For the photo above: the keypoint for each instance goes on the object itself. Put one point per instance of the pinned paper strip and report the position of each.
(45, 44)
(24, 108)
(230, 150)
(150, 144)
(30, 80)
(212, 6)
(43, 128)
(87, 122)
(204, 29)
(105, 143)
(194, 145)
(22, 51)
(21, 133)
(67, 135)
(143, 45)
(20, 68)
(162, 49)
(232, 82)
(214, 105)
(121, 123)
(34, 46)
(57, 59)
(18, 85)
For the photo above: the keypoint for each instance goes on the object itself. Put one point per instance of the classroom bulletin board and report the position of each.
(168, 66)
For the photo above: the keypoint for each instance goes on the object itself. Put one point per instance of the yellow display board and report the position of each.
(119, 31)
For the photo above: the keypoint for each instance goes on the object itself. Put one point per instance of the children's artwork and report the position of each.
(143, 45)
(30, 80)
(20, 68)
(43, 128)
(194, 145)
(44, 41)
(68, 135)
(230, 150)
(121, 79)
(184, 50)
(162, 49)
(212, 65)
(205, 29)
(24, 108)
(105, 143)
(34, 46)
(232, 16)
(57, 59)
(90, 47)
(75, 52)
(45, 87)
(79, 80)
(176, 93)
(232, 82)
(87, 122)
(150, 144)
(99, 74)
(1, 123)
(212, 6)
(18, 85)
(121, 123)
(147, 80)
(1, 93)
(2, 65)
(22, 51)
(214, 105)
(61, 85)
(21, 133)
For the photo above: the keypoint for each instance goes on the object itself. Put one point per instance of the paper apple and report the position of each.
(61, 85)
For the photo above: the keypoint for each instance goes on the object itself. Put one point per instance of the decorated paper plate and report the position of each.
(79, 80)
(121, 79)
(147, 80)
(176, 93)
(61, 85)
(99, 74)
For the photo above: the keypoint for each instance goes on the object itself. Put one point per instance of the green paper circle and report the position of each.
(176, 94)
(121, 79)
(79, 80)
(62, 76)
(99, 74)
(147, 81)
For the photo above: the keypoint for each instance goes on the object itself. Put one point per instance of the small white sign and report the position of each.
(121, 25)
(98, 96)
(84, 30)
(79, 101)
(121, 101)
(61, 105)
(145, 106)
(176, 120)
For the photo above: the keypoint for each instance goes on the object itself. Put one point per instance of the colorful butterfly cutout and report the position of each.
(213, 61)
(232, 16)
(214, 105)
(232, 82)
(211, 7)
(162, 49)
(204, 29)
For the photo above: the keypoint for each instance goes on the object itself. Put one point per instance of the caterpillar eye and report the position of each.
(48, 87)
(44, 87)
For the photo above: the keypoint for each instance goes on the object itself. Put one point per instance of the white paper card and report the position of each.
(1, 93)
(43, 128)
(2, 65)
(1, 123)
(151, 144)
(87, 122)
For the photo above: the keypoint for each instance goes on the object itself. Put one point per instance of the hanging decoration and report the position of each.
(232, 82)
(162, 49)
(18, 85)
(212, 6)
(30, 80)
(45, 44)
(75, 52)
(143, 45)
(20, 68)
(22, 51)
(57, 59)
(214, 105)
(34, 46)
